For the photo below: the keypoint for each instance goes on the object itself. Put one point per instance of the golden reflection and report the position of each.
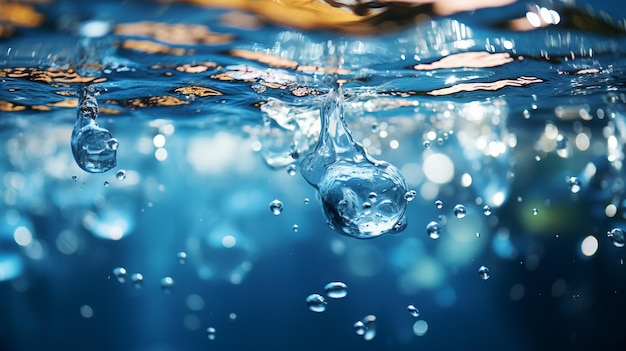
(151, 101)
(480, 59)
(49, 75)
(490, 86)
(193, 91)
(150, 47)
(178, 34)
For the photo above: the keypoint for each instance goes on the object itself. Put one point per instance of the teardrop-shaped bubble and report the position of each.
(93, 147)
(345, 175)
(336, 290)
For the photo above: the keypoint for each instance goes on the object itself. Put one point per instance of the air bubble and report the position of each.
(359, 328)
(413, 311)
(210, 331)
(426, 144)
(487, 210)
(459, 211)
(120, 175)
(617, 237)
(291, 170)
(439, 204)
(137, 280)
(574, 184)
(410, 195)
(433, 229)
(276, 207)
(295, 228)
(182, 257)
(120, 274)
(483, 272)
(336, 290)
(106, 183)
(370, 327)
(167, 283)
(316, 303)
(344, 175)
(535, 212)
(74, 177)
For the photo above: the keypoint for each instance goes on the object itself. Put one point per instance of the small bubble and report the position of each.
(316, 303)
(370, 327)
(74, 177)
(120, 175)
(291, 170)
(426, 144)
(210, 331)
(359, 328)
(413, 311)
(535, 212)
(477, 234)
(106, 183)
(459, 211)
(574, 184)
(439, 204)
(120, 274)
(617, 237)
(276, 207)
(182, 257)
(526, 114)
(295, 228)
(336, 290)
(375, 128)
(484, 272)
(487, 210)
(372, 196)
(561, 142)
(137, 280)
(306, 200)
(440, 141)
(410, 195)
(433, 229)
(167, 283)
(367, 205)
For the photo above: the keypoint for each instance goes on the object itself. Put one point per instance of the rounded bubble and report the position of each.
(167, 283)
(617, 237)
(483, 272)
(487, 210)
(336, 290)
(120, 274)
(137, 280)
(276, 207)
(182, 257)
(359, 328)
(291, 170)
(316, 303)
(120, 175)
(413, 311)
(410, 195)
(439, 204)
(459, 211)
(433, 229)
(210, 331)
(574, 184)
(370, 327)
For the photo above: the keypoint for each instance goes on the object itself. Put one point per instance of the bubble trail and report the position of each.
(93, 147)
(345, 175)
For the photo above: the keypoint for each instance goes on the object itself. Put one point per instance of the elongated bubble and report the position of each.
(93, 147)
(345, 176)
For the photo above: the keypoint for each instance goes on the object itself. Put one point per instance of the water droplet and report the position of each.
(74, 177)
(336, 290)
(316, 303)
(210, 331)
(487, 210)
(137, 280)
(120, 274)
(439, 204)
(370, 327)
(93, 147)
(484, 272)
(574, 184)
(120, 175)
(106, 183)
(535, 212)
(344, 175)
(276, 207)
(413, 311)
(433, 229)
(617, 237)
(295, 228)
(182, 257)
(459, 211)
(167, 283)
(359, 328)
(291, 170)
(410, 195)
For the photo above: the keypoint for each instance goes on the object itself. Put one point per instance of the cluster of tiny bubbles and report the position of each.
(137, 280)
(120, 175)
(433, 229)
(410, 195)
(120, 274)
(487, 210)
(336, 290)
(439, 204)
(574, 184)
(167, 283)
(413, 311)
(316, 303)
(291, 170)
(182, 257)
(276, 206)
(617, 237)
(483, 272)
(210, 331)
(459, 211)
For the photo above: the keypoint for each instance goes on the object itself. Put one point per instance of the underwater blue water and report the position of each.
(194, 222)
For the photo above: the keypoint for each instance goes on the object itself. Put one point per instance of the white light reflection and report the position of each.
(589, 246)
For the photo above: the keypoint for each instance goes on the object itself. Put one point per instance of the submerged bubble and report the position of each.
(295, 228)
(459, 211)
(617, 237)
(74, 177)
(574, 184)
(120, 274)
(413, 311)
(370, 327)
(291, 170)
(120, 175)
(93, 147)
(439, 204)
(182, 257)
(336, 290)
(487, 210)
(276, 207)
(167, 283)
(344, 175)
(210, 331)
(484, 272)
(106, 183)
(316, 303)
(359, 328)
(137, 280)
(410, 195)
(535, 212)
(433, 229)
